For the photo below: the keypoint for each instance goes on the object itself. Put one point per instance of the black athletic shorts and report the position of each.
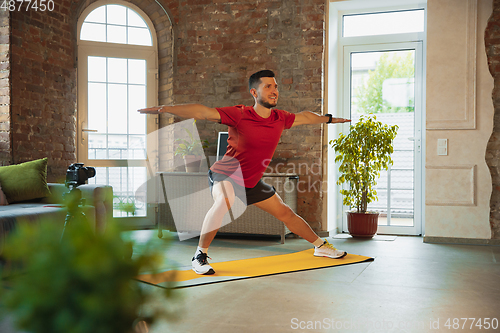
(259, 192)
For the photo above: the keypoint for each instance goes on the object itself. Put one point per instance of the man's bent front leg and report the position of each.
(223, 200)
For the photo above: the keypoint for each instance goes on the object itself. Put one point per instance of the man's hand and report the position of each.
(151, 110)
(340, 120)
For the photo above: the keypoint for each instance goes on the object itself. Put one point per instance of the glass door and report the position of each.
(386, 81)
(117, 68)
(113, 135)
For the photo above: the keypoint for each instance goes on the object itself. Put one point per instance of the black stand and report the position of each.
(73, 200)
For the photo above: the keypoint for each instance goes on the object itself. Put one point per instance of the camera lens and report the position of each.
(90, 172)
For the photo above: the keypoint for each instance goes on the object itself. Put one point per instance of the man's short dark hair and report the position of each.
(254, 80)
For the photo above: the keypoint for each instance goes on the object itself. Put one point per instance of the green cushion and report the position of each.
(25, 181)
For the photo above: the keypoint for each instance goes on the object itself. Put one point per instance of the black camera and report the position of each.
(77, 174)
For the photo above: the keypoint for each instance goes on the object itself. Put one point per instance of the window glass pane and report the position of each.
(98, 15)
(117, 70)
(137, 100)
(117, 34)
(97, 107)
(139, 36)
(137, 71)
(383, 83)
(383, 23)
(97, 69)
(97, 146)
(116, 24)
(125, 182)
(116, 14)
(100, 176)
(136, 177)
(137, 147)
(117, 177)
(117, 145)
(93, 31)
(135, 20)
(117, 108)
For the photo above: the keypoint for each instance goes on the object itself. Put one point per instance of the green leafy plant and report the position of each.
(362, 154)
(369, 96)
(81, 283)
(190, 146)
(125, 204)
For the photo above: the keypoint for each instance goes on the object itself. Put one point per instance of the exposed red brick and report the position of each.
(492, 43)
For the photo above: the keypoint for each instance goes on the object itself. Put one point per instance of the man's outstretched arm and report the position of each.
(307, 117)
(196, 111)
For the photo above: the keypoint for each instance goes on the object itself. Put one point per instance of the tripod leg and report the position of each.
(66, 223)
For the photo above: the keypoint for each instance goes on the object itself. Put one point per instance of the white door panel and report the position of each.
(387, 80)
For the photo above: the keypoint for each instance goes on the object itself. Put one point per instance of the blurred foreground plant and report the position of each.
(83, 283)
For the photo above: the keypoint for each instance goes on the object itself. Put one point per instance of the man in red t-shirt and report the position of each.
(254, 133)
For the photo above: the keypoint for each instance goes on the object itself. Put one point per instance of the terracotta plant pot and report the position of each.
(192, 163)
(362, 225)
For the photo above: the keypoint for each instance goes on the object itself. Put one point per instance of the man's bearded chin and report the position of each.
(266, 104)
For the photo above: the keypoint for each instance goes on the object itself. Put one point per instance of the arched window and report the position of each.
(117, 69)
(116, 24)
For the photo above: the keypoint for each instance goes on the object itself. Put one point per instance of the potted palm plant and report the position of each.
(363, 153)
(191, 150)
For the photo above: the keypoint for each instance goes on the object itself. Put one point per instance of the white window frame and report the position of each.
(106, 49)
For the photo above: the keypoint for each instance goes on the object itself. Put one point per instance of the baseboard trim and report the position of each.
(461, 241)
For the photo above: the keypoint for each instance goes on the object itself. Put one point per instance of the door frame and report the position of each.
(333, 94)
(87, 49)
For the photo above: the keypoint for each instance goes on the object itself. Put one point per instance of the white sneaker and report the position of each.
(327, 250)
(200, 264)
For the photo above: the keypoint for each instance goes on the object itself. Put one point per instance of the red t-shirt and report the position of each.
(252, 141)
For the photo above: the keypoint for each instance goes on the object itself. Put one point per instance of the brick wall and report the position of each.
(219, 44)
(43, 88)
(492, 40)
(5, 125)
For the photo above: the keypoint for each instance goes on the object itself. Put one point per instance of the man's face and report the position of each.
(267, 92)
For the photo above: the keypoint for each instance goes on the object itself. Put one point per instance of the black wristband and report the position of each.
(330, 118)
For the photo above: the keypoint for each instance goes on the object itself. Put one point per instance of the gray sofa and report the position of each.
(98, 209)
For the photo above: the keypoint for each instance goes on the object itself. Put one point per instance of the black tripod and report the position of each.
(73, 200)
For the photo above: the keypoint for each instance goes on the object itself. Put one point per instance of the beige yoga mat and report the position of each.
(248, 268)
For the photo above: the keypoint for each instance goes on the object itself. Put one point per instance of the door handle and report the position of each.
(418, 148)
(87, 130)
